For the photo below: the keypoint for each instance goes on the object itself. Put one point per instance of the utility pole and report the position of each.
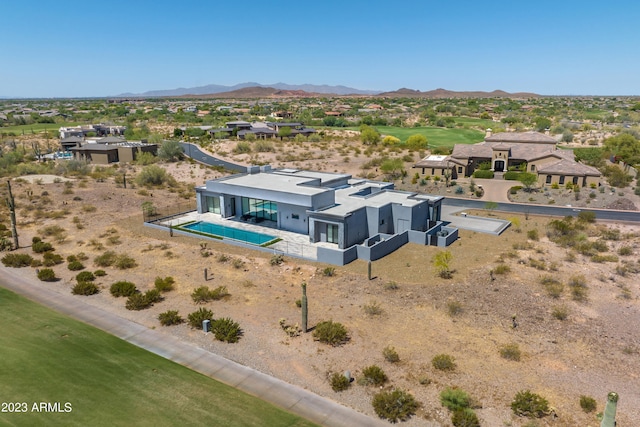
(12, 209)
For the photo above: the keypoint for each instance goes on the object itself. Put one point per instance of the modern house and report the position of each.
(536, 151)
(112, 150)
(362, 218)
(261, 130)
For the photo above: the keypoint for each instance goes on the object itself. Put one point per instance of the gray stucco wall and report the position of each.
(287, 222)
(355, 229)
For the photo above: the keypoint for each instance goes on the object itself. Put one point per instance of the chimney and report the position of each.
(489, 133)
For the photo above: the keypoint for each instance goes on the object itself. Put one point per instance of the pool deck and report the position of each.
(294, 244)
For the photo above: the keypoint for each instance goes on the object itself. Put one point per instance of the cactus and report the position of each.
(304, 308)
(12, 208)
(609, 417)
(369, 270)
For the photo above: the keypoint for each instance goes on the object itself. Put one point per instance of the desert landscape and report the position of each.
(566, 344)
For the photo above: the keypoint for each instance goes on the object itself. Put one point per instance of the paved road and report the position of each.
(601, 214)
(193, 151)
(315, 408)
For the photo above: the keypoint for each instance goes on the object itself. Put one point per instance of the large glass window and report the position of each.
(212, 204)
(332, 233)
(259, 209)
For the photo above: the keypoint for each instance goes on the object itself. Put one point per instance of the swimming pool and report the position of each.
(229, 232)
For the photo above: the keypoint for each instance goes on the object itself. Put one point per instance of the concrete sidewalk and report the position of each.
(294, 399)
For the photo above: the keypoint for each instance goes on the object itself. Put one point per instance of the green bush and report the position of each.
(588, 404)
(502, 269)
(169, 318)
(204, 294)
(512, 175)
(329, 272)
(465, 418)
(276, 259)
(339, 382)
(75, 266)
(533, 234)
(486, 174)
(390, 354)
(454, 399)
(443, 362)
(373, 375)
(587, 216)
(511, 352)
(454, 308)
(40, 247)
(107, 259)
(123, 289)
(50, 259)
(529, 404)
(47, 275)
(85, 276)
(560, 312)
(153, 175)
(226, 330)
(197, 317)
(153, 296)
(85, 288)
(124, 262)
(395, 405)
(137, 302)
(164, 285)
(100, 273)
(17, 260)
(515, 189)
(332, 333)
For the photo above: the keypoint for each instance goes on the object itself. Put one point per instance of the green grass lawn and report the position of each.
(436, 136)
(47, 357)
(35, 128)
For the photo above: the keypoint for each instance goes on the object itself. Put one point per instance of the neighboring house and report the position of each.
(296, 128)
(260, 129)
(511, 150)
(104, 153)
(70, 142)
(328, 207)
(84, 130)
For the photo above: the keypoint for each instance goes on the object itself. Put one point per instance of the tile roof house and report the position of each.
(513, 149)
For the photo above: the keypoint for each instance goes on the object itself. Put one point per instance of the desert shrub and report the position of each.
(465, 418)
(17, 260)
(560, 312)
(169, 318)
(604, 258)
(454, 308)
(238, 263)
(330, 332)
(50, 259)
(588, 403)
(75, 266)
(222, 258)
(391, 286)
(85, 276)
(395, 405)
(196, 318)
(443, 362)
(529, 404)
(373, 375)
(533, 234)
(587, 216)
(372, 308)
(124, 262)
(625, 250)
(204, 294)
(502, 269)
(339, 382)
(123, 289)
(226, 330)
(390, 354)
(329, 272)
(511, 352)
(276, 259)
(136, 302)
(553, 287)
(100, 273)
(85, 288)
(487, 174)
(40, 247)
(153, 296)
(164, 285)
(107, 259)
(454, 399)
(47, 275)
(578, 285)
(153, 175)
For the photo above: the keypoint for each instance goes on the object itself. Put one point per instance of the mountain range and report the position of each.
(213, 89)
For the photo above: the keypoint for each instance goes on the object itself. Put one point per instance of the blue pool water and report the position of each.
(230, 232)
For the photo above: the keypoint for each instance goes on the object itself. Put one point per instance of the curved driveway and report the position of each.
(194, 152)
(304, 403)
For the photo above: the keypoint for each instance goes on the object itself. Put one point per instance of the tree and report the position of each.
(369, 135)
(392, 168)
(390, 140)
(284, 132)
(442, 263)
(417, 141)
(171, 151)
(528, 180)
(542, 123)
(624, 147)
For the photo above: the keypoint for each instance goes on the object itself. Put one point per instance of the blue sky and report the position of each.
(70, 48)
